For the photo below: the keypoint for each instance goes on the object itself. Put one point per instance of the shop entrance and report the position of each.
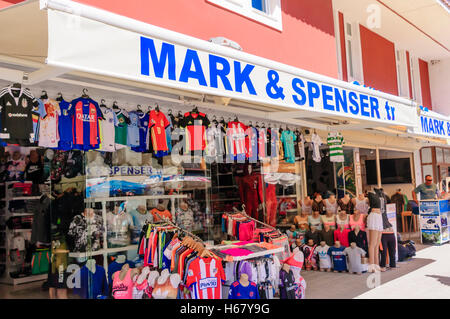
(320, 175)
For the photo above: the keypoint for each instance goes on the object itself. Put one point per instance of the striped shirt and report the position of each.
(335, 141)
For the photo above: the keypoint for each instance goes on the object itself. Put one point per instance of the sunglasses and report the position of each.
(429, 180)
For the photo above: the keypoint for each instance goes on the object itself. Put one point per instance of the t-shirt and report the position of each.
(65, 126)
(316, 143)
(133, 130)
(335, 140)
(140, 219)
(108, 130)
(144, 120)
(118, 226)
(121, 129)
(164, 213)
(48, 126)
(195, 124)
(300, 146)
(338, 258)
(252, 144)
(185, 219)
(92, 285)
(158, 125)
(237, 291)
(205, 278)
(17, 108)
(426, 192)
(37, 114)
(288, 138)
(324, 258)
(85, 115)
(215, 147)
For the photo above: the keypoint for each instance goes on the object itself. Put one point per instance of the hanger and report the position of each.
(139, 110)
(115, 106)
(263, 125)
(102, 103)
(84, 95)
(236, 118)
(250, 124)
(214, 120)
(257, 125)
(169, 112)
(195, 110)
(157, 107)
(44, 95)
(59, 97)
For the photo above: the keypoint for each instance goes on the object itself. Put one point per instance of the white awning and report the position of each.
(86, 43)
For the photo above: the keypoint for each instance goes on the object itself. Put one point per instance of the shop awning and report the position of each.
(78, 42)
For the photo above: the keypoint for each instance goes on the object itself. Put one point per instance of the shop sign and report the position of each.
(194, 65)
(433, 127)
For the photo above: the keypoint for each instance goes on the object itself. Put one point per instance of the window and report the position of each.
(353, 52)
(267, 12)
(402, 73)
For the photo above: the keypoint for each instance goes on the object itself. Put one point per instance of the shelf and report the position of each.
(22, 214)
(21, 198)
(125, 198)
(219, 187)
(220, 200)
(18, 281)
(103, 251)
(286, 196)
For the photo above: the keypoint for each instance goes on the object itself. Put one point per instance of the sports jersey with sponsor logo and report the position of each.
(108, 130)
(65, 126)
(215, 147)
(86, 114)
(48, 126)
(133, 130)
(158, 125)
(144, 120)
(17, 107)
(205, 278)
(121, 129)
(251, 134)
(195, 125)
(238, 291)
(236, 137)
(39, 113)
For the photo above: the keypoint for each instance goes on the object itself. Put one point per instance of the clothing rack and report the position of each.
(168, 221)
(253, 219)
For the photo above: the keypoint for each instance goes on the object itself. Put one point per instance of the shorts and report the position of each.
(57, 281)
(375, 221)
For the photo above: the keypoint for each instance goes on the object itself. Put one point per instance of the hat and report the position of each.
(296, 259)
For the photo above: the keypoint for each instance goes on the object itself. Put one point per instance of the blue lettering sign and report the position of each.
(354, 107)
(297, 85)
(215, 72)
(159, 64)
(374, 107)
(243, 76)
(341, 100)
(326, 90)
(364, 104)
(187, 72)
(313, 92)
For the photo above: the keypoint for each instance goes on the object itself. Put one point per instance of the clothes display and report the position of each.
(86, 229)
(338, 258)
(185, 219)
(324, 258)
(359, 222)
(238, 291)
(335, 140)
(93, 285)
(389, 246)
(287, 285)
(118, 228)
(354, 259)
(316, 143)
(341, 235)
(360, 238)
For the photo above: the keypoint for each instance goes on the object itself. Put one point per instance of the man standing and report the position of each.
(427, 190)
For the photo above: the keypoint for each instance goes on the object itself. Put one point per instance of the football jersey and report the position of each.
(158, 125)
(108, 130)
(65, 126)
(205, 278)
(237, 291)
(144, 120)
(262, 139)
(251, 134)
(39, 113)
(169, 133)
(48, 126)
(236, 136)
(121, 134)
(288, 138)
(85, 128)
(17, 108)
(195, 125)
(215, 148)
(133, 130)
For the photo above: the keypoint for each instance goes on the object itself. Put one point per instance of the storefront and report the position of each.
(178, 128)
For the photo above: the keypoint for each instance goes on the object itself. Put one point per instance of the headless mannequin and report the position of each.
(124, 271)
(337, 244)
(345, 203)
(300, 219)
(323, 244)
(307, 202)
(331, 201)
(353, 246)
(143, 275)
(361, 197)
(121, 259)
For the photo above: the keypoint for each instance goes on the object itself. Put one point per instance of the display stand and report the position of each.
(434, 215)
(105, 251)
(9, 234)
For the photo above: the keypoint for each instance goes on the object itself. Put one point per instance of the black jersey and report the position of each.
(17, 107)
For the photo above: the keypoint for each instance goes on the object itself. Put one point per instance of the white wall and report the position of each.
(440, 86)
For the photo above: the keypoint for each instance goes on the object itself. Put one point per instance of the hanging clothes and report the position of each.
(316, 143)
(288, 139)
(335, 141)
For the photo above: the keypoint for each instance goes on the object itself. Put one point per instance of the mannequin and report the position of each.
(295, 261)
(331, 204)
(354, 254)
(342, 219)
(327, 235)
(122, 286)
(119, 223)
(317, 204)
(139, 216)
(300, 219)
(90, 264)
(359, 237)
(287, 282)
(166, 286)
(121, 259)
(313, 234)
(140, 283)
(301, 232)
(243, 289)
(375, 221)
(315, 220)
(341, 235)
(310, 255)
(338, 257)
(160, 209)
(361, 203)
(329, 219)
(357, 219)
(291, 234)
(345, 204)
(185, 217)
(324, 258)
(306, 205)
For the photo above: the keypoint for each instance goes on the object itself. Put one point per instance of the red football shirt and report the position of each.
(205, 278)
(158, 124)
(195, 124)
